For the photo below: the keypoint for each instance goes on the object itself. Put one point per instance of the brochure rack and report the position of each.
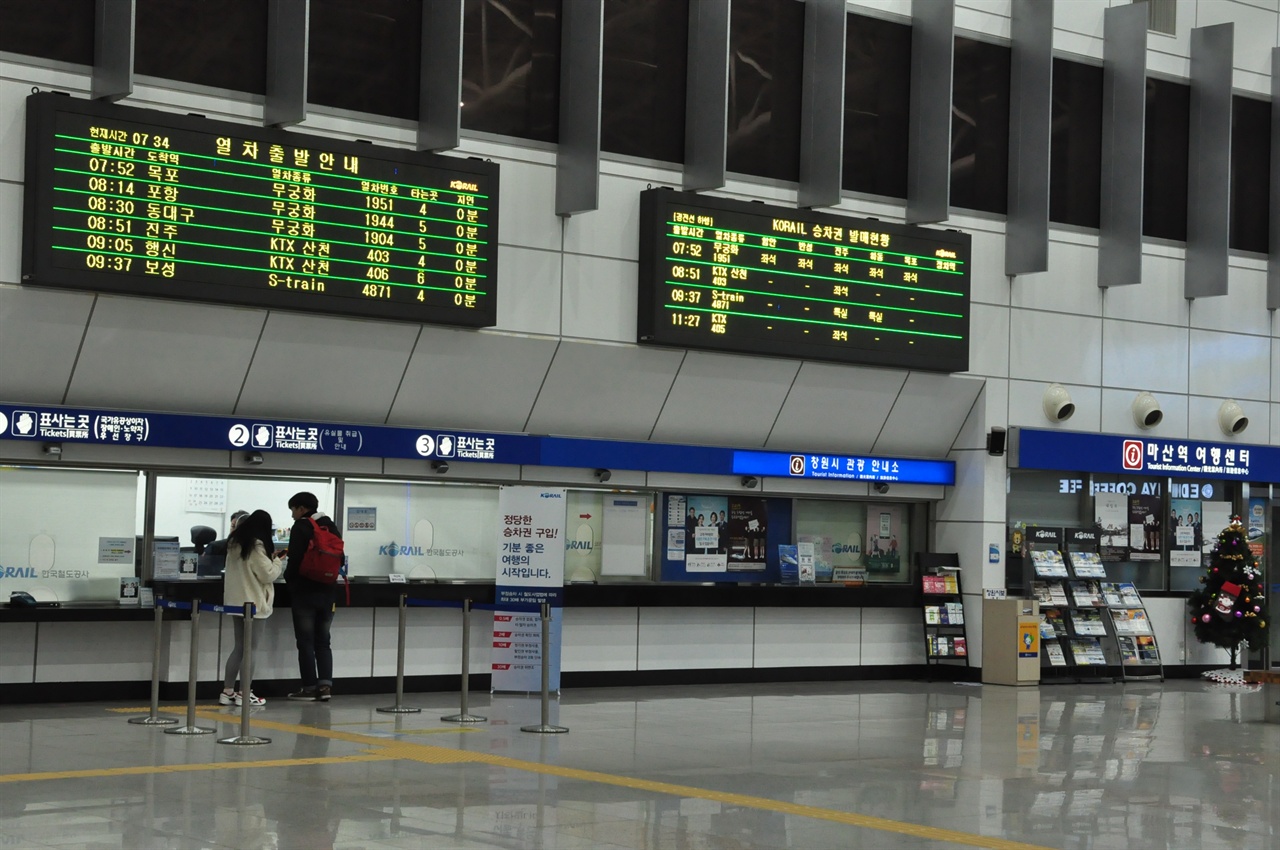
(945, 640)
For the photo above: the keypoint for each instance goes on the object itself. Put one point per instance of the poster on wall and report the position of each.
(1255, 525)
(530, 570)
(747, 530)
(706, 537)
(1214, 517)
(626, 527)
(824, 558)
(1184, 533)
(1145, 528)
(884, 525)
(1111, 516)
(677, 529)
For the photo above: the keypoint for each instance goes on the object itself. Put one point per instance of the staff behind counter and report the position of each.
(212, 553)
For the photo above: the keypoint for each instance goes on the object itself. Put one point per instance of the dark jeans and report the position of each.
(313, 609)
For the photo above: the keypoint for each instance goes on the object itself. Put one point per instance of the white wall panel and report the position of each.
(883, 8)
(1131, 349)
(808, 637)
(1071, 283)
(16, 82)
(153, 354)
(439, 386)
(599, 639)
(1229, 365)
(11, 235)
(1083, 17)
(969, 540)
(94, 652)
(987, 281)
(1055, 347)
(892, 636)
(927, 414)
(725, 399)
(1159, 299)
(18, 653)
(1242, 310)
(979, 489)
(1202, 420)
(1117, 414)
(1275, 425)
(529, 291)
(989, 340)
(613, 230)
(526, 208)
(42, 329)
(695, 638)
(352, 640)
(1026, 406)
(599, 298)
(1255, 31)
(860, 399)
(275, 653)
(989, 17)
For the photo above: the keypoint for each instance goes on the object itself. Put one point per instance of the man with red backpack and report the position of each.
(313, 601)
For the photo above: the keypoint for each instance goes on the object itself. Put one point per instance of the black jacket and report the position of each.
(299, 540)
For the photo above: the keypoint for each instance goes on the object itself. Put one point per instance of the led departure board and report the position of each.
(137, 201)
(735, 276)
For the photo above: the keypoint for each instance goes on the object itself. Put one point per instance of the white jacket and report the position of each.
(250, 580)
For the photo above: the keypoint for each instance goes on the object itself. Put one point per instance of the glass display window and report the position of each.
(867, 541)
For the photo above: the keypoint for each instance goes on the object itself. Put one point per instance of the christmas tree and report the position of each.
(1230, 607)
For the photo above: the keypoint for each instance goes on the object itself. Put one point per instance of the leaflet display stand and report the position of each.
(1135, 639)
(946, 643)
(1074, 629)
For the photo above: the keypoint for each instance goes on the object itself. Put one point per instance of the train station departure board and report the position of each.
(746, 277)
(137, 201)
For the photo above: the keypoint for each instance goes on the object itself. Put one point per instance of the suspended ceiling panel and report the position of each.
(472, 379)
(723, 400)
(605, 391)
(928, 414)
(153, 354)
(836, 408)
(42, 332)
(314, 367)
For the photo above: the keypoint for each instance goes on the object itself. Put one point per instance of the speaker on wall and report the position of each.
(995, 441)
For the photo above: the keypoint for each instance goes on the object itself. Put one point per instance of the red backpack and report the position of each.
(322, 562)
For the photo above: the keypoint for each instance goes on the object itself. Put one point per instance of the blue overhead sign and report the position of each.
(1120, 455)
(252, 433)
(845, 467)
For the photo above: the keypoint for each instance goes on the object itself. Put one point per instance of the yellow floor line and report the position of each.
(144, 770)
(383, 749)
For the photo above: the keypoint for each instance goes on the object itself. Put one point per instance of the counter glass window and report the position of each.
(67, 535)
(852, 537)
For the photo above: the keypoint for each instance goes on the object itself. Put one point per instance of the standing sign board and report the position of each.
(530, 571)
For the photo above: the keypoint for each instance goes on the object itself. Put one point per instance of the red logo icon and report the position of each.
(1133, 453)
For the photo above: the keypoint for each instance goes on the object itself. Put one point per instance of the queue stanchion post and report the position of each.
(246, 685)
(545, 726)
(155, 718)
(463, 715)
(400, 707)
(191, 728)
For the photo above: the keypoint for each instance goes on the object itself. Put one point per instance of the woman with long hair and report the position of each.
(250, 572)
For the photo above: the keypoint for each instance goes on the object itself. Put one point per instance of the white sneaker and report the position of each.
(226, 698)
(254, 699)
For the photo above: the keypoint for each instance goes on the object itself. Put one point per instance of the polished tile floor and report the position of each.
(1182, 764)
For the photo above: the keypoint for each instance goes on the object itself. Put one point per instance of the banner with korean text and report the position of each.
(530, 571)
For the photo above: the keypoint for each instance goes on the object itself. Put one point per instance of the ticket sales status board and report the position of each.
(734, 276)
(137, 201)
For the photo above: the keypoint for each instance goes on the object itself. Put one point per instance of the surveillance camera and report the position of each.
(750, 482)
(880, 487)
(1057, 403)
(603, 475)
(1231, 418)
(254, 458)
(440, 466)
(52, 449)
(1146, 411)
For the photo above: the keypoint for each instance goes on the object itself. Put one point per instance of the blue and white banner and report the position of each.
(530, 571)
(1120, 455)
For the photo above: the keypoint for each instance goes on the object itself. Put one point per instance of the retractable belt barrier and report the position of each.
(191, 728)
(467, 606)
(154, 718)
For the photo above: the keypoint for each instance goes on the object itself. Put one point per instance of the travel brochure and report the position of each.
(1049, 563)
(1084, 593)
(1130, 621)
(1138, 650)
(1088, 565)
(1087, 652)
(942, 646)
(1052, 623)
(950, 614)
(1049, 592)
(1086, 622)
(945, 583)
(1057, 657)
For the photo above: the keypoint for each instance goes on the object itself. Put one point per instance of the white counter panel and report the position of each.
(892, 636)
(808, 637)
(599, 639)
(17, 653)
(94, 652)
(695, 638)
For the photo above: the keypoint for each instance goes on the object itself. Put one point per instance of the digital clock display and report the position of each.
(745, 277)
(150, 203)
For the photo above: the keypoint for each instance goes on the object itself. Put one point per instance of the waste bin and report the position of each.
(1011, 641)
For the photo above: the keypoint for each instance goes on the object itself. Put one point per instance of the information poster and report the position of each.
(1184, 533)
(747, 531)
(1111, 515)
(884, 525)
(1256, 528)
(115, 550)
(706, 539)
(1144, 528)
(1214, 517)
(530, 571)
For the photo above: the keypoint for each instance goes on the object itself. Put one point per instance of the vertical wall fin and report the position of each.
(1124, 87)
(1273, 253)
(113, 44)
(1209, 156)
(929, 142)
(578, 154)
(822, 103)
(1030, 118)
(706, 105)
(440, 76)
(288, 33)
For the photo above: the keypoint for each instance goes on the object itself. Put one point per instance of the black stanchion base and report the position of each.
(154, 720)
(244, 740)
(544, 727)
(464, 718)
(398, 709)
(190, 730)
